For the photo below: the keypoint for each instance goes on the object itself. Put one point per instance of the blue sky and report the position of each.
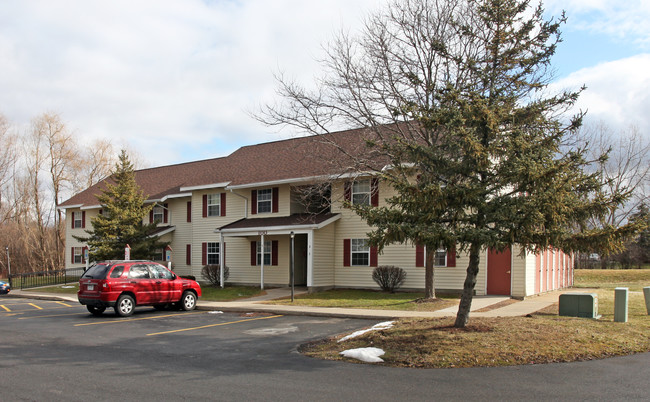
(174, 78)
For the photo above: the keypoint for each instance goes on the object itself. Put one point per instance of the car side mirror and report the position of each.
(174, 276)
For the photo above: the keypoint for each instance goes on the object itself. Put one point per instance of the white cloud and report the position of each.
(617, 92)
(626, 19)
(171, 77)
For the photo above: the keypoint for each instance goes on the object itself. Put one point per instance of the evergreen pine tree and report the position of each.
(121, 222)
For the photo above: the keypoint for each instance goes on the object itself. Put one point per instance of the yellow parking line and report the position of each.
(213, 325)
(34, 305)
(5, 307)
(65, 304)
(135, 319)
(46, 316)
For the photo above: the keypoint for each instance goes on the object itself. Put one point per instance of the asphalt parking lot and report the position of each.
(53, 350)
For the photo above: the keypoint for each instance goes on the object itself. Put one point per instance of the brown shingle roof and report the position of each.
(296, 158)
(276, 221)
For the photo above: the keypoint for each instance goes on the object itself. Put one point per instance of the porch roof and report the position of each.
(280, 223)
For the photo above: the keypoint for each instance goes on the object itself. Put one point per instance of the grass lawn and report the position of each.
(542, 338)
(368, 299)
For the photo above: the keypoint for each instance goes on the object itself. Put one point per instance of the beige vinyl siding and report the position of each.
(284, 201)
(203, 229)
(69, 232)
(518, 273)
(323, 256)
(239, 262)
(182, 234)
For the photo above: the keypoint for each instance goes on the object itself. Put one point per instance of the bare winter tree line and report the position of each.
(40, 167)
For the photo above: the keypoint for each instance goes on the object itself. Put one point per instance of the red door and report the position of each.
(499, 268)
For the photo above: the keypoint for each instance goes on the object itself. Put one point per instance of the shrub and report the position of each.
(212, 274)
(388, 277)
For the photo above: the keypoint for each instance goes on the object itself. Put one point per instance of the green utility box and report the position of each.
(579, 305)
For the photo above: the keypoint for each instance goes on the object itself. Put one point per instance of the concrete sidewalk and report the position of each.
(256, 304)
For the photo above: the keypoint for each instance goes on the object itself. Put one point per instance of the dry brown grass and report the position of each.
(541, 338)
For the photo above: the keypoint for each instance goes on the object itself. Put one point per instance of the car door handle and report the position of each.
(133, 282)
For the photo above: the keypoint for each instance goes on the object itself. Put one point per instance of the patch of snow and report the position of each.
(67, 287)
(272, 331)
(376, 327)
(215, 312)
(368, 355)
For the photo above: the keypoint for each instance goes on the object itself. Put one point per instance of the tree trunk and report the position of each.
(468, 289)
(429, 287)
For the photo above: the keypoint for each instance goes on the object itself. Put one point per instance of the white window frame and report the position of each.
(78, 223)
(264, 198)
(158, 213)
(214, 204)
(267, 253)
(79, 252)
(361, 192)
(212, 253)
(159, 254)
(361, 249)
(440, 255)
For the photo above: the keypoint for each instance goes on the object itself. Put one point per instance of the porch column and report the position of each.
(261, 263)
(310, 258)
(222, 260)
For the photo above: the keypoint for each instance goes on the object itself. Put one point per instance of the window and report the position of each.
(78, 255)
(440, 258)
(158, 255)
(157, 214)
(264, 200)
(361, 192)
(214, 204)
(77, 218)
(160, 272)
(117, 271)
(213, 253)
(266, 253)
(360, 252)
(139, 272)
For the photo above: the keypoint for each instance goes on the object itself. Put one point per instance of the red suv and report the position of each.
(126, 284)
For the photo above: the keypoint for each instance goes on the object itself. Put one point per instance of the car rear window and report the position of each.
(97, 271)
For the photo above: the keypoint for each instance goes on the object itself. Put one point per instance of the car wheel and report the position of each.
(124, 306)
(96, 310)
(188, 301)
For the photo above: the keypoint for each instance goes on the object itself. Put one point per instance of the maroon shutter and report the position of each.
(419, 255)
(151, 216)
(83, 254)
(276, 192)
(72, 255)
(83, 220)
(347, 191)
(204, 253)
(72, 221)
(101, 212)
(373, 256)
(253, 253)
(346, 252)
(189, 212)
(188, 254)
(223, 204)
(274, 252)
(205, 205)
(165, 213)
(451, 257)
(374, 192)
(253, 202)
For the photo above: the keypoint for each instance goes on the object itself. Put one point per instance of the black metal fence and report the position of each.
(45, 278)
